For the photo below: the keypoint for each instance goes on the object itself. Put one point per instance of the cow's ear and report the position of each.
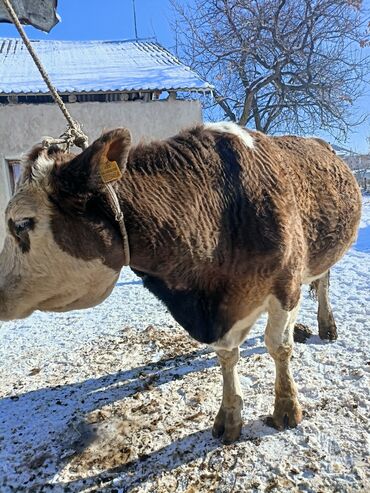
(103, 161)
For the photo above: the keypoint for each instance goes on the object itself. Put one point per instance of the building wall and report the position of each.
(22, 126)
(4, 195)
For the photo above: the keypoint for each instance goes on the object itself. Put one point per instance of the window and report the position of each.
(15, 169)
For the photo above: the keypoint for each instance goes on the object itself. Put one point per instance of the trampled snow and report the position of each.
(119, 398)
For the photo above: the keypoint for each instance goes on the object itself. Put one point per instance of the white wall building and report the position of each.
(104, 84)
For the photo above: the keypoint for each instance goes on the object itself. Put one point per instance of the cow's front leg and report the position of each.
(279, 342)
(228, 422)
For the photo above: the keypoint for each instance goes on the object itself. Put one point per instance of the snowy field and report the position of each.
(119, 399)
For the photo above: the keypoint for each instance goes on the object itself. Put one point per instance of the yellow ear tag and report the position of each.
(109, 170)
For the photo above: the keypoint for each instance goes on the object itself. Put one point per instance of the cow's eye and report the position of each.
(23, 225)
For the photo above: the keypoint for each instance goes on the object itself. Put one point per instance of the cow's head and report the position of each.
(63, 248)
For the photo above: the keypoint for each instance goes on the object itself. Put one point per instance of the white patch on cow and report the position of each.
(235, 129)
(308, 277)
(239, 331)
(42, 167)
(46, 278)
(280, 324)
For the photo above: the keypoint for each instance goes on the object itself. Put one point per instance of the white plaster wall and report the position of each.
(22, 126)
(4, 194)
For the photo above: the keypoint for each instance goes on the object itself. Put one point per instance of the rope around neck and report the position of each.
(118, 215)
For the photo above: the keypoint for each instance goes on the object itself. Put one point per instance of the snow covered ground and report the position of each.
(119, 399)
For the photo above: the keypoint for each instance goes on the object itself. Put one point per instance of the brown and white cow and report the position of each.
(223, 225)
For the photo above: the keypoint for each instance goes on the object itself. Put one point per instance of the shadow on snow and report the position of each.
(49, 413)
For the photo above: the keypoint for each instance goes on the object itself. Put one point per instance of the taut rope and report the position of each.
(73, 134)
(80, 139)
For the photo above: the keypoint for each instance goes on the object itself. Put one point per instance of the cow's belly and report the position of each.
(308, 277)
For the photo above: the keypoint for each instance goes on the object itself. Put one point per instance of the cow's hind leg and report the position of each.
(325, 317)
(228, 422)
(279, 342)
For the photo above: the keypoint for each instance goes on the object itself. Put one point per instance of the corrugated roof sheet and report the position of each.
(93, 66)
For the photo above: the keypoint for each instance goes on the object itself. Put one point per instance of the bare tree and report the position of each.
(279, 65)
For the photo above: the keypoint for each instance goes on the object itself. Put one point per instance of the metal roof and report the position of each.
(94, 66)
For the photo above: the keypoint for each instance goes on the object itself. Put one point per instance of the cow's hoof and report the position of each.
(227, 425)
(328, 331)
(302, 333)
(287, 414)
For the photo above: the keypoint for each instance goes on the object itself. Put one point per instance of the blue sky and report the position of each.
(113, 19)
(106, 19)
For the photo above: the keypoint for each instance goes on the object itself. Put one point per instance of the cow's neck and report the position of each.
(140, 192)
